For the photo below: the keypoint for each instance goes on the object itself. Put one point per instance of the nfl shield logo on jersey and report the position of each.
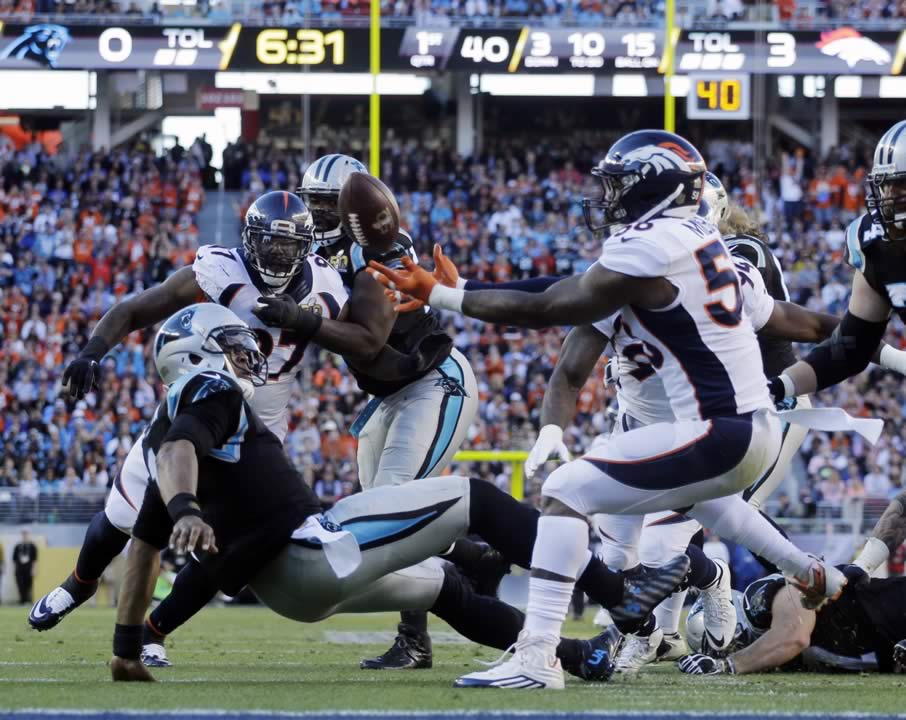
(897, 294)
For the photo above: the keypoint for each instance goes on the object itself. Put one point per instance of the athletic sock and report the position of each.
(102, 543)
(561, 548)
(733, 518)
(480, 618)
(703, 571)
(416, 620)
(669, 613)
(193, 588)
(511, 528)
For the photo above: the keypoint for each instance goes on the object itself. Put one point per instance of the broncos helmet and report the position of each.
(277, 236)
(885, 188)
(209, 336)
(320, 190)
(645, 173)
(714, 199)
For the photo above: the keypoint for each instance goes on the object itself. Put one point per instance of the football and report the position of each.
(369, 212)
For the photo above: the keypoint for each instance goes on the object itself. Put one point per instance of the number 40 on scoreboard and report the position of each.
(719, 97)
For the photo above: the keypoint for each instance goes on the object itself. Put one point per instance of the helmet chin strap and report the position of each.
(248, 389)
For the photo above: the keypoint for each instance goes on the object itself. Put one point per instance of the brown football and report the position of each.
(369, 212)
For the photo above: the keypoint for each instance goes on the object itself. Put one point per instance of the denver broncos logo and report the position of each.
(678, 150)
(40, 43)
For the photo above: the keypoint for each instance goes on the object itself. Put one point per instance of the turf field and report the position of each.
(249, 659)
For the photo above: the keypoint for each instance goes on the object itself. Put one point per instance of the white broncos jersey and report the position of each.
(698, 358)
(224, 277)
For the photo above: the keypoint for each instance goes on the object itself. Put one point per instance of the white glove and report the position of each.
(549, 442)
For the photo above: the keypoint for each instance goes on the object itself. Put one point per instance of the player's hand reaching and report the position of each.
(282, 311)
(191, 532)
(699, 664)
(549, 442)
(899, 657)
(412, 280)
(124, 670)
(445, 272)
(83, 373)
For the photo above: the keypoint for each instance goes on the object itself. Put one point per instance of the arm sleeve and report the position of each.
(331, 293)
(636, 256)
(208, 423)
(756, 301)
(847, 351)
(532, 285)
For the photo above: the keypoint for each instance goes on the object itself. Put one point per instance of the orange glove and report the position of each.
(412, 280)
(401, 303)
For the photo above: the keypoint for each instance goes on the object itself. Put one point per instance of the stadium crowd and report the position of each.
(80, 231)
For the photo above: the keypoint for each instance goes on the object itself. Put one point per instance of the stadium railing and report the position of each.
(50, 506)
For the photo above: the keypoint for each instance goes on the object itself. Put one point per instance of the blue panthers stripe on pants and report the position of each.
(450, 411)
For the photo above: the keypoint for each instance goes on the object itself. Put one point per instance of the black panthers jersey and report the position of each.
(869, 617)
(248, 490)
(415, 334)
(883, 263)
(776, 355)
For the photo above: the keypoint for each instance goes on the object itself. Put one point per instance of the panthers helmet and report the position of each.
(645, 174)
(207, 336)
(885, 188)
(320, 190)
(714, 199)
(277, 236)
(695, 628)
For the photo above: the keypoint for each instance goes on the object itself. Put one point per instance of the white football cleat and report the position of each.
(154, 655)
(673, 647)
(719, 611)
(639, 651)
(820, 584)
(533, 666)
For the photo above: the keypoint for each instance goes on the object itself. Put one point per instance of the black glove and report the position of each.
(282, 311)
(83, 373)
(899, 656)
(777, 390)
(705, 665)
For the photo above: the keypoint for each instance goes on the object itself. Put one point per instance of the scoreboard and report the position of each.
(529, 49)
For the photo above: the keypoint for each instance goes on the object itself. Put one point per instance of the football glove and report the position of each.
(83, 373)
(282, 311)
(549, 442)
(699, 664)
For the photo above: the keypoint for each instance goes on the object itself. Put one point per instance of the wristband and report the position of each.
(731, 666)
(308, 323)
(461, 283)
(183, 504)
(95, 349)
(444, 298)
(873, 555)
(789, 387)
(127, 641)
(893, 359)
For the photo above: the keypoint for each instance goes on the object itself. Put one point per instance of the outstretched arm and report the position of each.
(577, 300)
(148, 308)
(790, 634)
(794, 322)
(888, 535)
(848, 350)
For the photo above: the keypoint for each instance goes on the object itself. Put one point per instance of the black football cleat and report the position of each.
(596, 657)
(644, 591)
(488, 572)
(410, 651)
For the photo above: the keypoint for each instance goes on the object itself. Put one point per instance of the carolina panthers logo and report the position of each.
(451, 387)
(185, 320)
(40, 43)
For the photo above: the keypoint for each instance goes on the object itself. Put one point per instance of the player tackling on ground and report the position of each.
(670, 275)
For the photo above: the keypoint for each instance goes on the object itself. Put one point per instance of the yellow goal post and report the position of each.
(516, 458)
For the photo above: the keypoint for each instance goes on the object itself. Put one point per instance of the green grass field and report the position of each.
(248, 658)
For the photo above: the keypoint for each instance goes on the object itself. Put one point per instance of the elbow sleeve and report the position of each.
(847, 351)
